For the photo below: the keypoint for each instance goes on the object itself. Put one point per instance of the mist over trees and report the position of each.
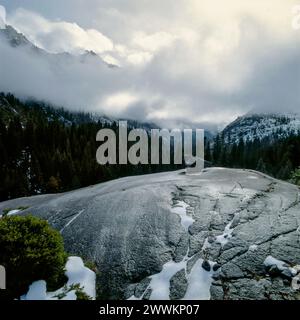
(47, 150)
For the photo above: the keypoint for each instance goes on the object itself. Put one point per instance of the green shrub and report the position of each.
(30, 250)
(79, 292)
(91, 265)
(6, 211)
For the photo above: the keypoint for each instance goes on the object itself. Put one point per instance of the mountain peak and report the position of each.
(274, 113)
(14, 37)
(262, 126)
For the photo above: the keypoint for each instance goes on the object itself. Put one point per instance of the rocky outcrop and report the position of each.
(222, 234)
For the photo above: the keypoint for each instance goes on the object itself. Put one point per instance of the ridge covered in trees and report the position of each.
(279, 158)
(48, 150)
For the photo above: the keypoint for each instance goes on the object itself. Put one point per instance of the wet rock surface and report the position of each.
(178, 285)
(128, 228)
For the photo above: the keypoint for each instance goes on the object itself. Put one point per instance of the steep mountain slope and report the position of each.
(221, 234)
(15, 39)
(262, 126)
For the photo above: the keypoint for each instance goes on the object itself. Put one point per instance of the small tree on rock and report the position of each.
(30, 251)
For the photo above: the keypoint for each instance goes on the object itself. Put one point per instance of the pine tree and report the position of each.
(261, 166)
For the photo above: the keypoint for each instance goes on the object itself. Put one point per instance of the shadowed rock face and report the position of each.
(142, 248)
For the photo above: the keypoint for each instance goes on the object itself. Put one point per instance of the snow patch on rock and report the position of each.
(181, 210)
(77, 273)
(160, 283)
(253, 247)
(227, 234)
(271, 261)
(200, 282)
(13, 212)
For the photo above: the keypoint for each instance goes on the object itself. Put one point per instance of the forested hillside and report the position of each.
(277, 157)
(45, 150)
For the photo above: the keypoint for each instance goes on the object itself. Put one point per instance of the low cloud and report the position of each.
(2, 17)
(59, 36)
(189, 61)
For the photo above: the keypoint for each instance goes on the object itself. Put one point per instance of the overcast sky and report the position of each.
(205, 61)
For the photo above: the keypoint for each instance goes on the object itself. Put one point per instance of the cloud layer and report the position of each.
(180, 61)
(2, 16)
(59, 36)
